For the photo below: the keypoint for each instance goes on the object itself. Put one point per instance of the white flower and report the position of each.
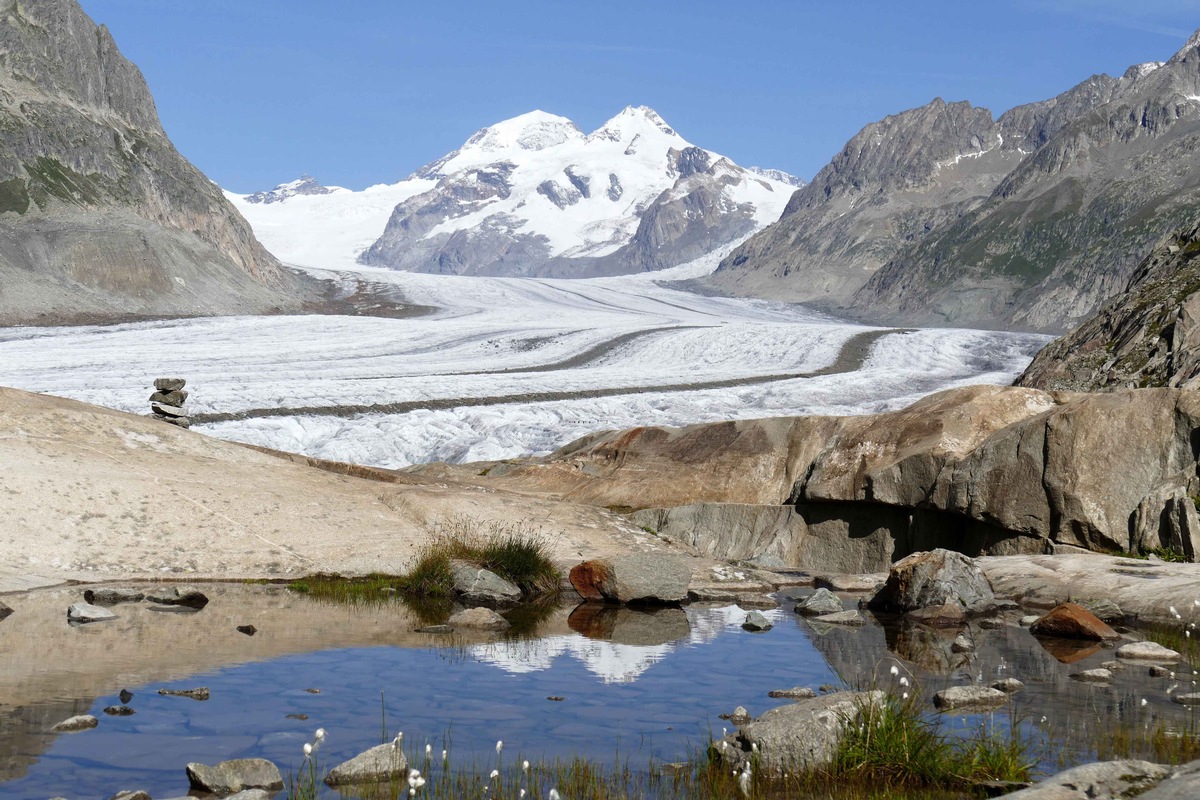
(428, 750)
(444, 755)
(495, 774)
(522, 794)
(1174, 613)
(320, 734)
(895, 670)
(904, 681)
(904, 696)
(744, 782)
(525, 766)
(499, 746)
(307, 750)
(554, 795)
(1144, 702)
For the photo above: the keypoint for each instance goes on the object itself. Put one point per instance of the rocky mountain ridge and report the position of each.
(1148, 335)
(534, 195)
(100, 216)
(941, 215)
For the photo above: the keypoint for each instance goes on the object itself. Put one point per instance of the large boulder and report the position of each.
(819, 603)
(935, 578)
(480, 586)
(633, 578)
(233, 776)
(383, 762)
(1073, 621)
(804, 735)
(1103, 779)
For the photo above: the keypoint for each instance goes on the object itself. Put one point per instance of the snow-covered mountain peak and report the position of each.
(305, 184)
(1142, 70)
(535, 130)
(636, 122)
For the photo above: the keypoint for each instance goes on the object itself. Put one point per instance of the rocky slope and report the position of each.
(995, 470)
(1146, 336)
(942, 216)
(534, 195)
(100, 216)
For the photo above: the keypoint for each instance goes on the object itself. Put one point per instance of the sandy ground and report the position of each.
(91, 494)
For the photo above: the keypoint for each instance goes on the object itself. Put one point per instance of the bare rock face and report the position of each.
(1073, 621)
(936, 578)
(982, 470)
(100, 216)
(1101, 779)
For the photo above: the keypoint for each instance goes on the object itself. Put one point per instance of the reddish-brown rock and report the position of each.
(587, 578)
(1073, 621)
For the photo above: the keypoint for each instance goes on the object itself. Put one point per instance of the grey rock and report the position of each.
(481, 586)
(169, 384)
(1182, 784)
(185, 596)
(125, 696)
(164, 410)
(740, 716)
(1099, 675)
(179, 422)
(1103, 779)
(804, 734)
(131, 795)
(633, 578)
(756, 622)
(934, 578)
(200, 693)
(478, 618)
(857, 582)
(1106, 610)
(176, 398)
(79, 723)
(229, 777)
(85, 612)
(969, 697)
(1159, 671)
(962, 644)
(249, 630)
(119, 711)
(851, 617)
(112, 595)
(306, 185)
(1188, 699)
(820, 602)
(380, 763)
(1028, 620)
(1007, 685)
(1147, 651)
(435, 629)
(795, 693)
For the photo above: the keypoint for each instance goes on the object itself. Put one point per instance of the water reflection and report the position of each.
(649, 684)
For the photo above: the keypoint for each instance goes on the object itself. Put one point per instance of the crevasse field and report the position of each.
(504, 367)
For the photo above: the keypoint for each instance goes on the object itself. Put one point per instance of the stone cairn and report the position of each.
(168, 399)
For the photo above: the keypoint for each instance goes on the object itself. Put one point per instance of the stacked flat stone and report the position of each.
(168, 399)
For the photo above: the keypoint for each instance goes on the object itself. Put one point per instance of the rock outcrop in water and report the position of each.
(980, 470)
(100, 217)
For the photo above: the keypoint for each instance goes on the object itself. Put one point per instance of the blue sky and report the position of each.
(256, 92)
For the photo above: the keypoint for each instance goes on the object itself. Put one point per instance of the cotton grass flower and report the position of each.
(308, 748)
(320, 734)
(554, 795)
(525, 766)
(904, 681)
(428, 751)
(895, 670)
(495, 774)
(499, 746)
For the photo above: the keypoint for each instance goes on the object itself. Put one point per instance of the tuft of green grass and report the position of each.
(894, 743)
